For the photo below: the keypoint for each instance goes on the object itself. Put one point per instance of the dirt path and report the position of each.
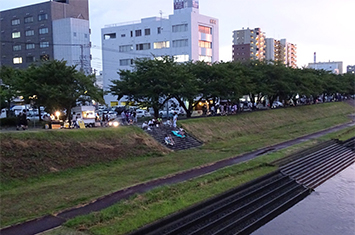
(50, 221)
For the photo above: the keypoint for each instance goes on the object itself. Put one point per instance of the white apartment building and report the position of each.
(281, 50)
(186, 35)
(334, 67)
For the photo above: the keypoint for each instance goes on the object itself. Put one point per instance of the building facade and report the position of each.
(350, 69)
(281, 50)
(186, 35)
(57, 29)
(334, 67)
(248, 44)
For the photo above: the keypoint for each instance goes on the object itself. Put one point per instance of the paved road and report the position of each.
(50, 221)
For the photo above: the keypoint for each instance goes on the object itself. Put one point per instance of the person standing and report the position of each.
(175, 119)
(73, 121)
(24, 123)
(19, 119)
(123, 117)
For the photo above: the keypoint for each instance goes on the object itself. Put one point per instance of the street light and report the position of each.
(57, 114)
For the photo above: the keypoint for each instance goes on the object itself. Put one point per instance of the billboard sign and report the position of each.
(181, 4)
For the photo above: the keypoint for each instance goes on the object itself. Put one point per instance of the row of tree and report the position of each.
(51, 84)
(152, 83)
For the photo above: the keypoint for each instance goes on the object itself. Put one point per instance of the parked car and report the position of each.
(142, 113)
(277, 104)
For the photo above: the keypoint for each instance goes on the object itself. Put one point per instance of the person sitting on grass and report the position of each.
(151, 122)
(169, 140)
(145, 125)
(181, 132)
(168, 123)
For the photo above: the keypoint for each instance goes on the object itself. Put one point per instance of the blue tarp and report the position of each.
(177, 134)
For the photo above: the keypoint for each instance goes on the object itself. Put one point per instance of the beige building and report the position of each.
(281, 50)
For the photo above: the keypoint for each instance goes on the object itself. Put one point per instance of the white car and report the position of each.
(277, 104)
(142, 113)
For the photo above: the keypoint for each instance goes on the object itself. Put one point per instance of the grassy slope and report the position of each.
(142, 209)
(225, 137)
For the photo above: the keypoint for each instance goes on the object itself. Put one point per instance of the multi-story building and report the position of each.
(281, 50)
(334, 67)
(248, 44)
(186, 35)
(57, 29)
(350, 69)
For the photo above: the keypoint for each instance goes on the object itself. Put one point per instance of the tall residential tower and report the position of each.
(281, 50)
(248, 44)
(251, 44)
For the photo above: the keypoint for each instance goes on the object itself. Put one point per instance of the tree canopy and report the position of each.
(152, 82)
(53, 85)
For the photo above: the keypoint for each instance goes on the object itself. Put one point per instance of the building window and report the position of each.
(44, 57)
(146, 32)
(205, 44)
(74, 34)
(138, 33)
(15, 22)
(86, 35)
(30, 59)
(125, 48)
(43, 31)
(160, 45)
(28, 19)
(30, 46)
(159, 30)
(205, 58)
(109, 36)
(131, 33)
(123, 35)
(180, 43)
(126, 62)
(181, 58)
(30, 33)
(179, 28)
(17, 60)
(43, 44)
(204, 29)
(42, 17)
(16, 48)
(143, 46)
(16, 34)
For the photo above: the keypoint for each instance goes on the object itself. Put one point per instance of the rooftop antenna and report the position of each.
(161, 14)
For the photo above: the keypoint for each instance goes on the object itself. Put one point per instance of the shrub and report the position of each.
(11, 121)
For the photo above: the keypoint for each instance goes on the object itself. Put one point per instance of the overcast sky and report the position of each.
(322, 26)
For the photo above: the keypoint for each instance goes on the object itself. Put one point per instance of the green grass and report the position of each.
(142, 209)
(225, 137)
(148, 207)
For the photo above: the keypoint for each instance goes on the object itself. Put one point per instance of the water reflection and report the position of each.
(330, 210)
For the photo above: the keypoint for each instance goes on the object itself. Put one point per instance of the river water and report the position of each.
(329, 210)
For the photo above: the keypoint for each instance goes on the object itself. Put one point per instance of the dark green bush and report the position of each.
(11, 121)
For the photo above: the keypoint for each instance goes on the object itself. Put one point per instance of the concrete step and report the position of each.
(187, 142)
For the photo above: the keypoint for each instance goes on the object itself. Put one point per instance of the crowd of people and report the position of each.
(172, 128)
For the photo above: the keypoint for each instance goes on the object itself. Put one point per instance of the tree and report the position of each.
(57, 86)
(9, 86)
(147, 84)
